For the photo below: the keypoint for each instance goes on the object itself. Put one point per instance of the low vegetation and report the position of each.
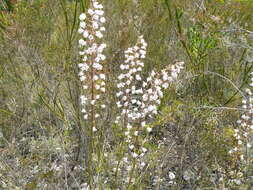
(126, 94)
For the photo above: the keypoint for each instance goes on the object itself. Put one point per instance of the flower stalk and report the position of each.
(92, 74)
(244, 136)
(139, 100)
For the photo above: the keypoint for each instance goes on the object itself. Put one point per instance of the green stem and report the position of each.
(131, 174)
(117, 169)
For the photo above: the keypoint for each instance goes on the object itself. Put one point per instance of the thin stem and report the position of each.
(131, 174)
(118, 164)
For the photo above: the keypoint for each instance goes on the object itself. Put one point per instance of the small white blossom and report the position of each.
(82, 24)
(102, 20)
(90, 11)
(82, 42)
(80, 30)
(82, 17)
(171, 175)
(135, 155)
(149, 129)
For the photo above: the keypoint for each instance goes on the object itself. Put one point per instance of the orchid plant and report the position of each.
(244, 138)
(139, 98)
(92, 73)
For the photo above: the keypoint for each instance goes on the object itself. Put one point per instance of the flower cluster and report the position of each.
(131, 72)
(91, 68)
(244, 133)
(139, 99)
(154, 86)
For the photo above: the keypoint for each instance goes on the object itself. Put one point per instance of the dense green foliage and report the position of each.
(41, 130)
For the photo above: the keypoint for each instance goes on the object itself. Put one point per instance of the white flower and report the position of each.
(151, 108)
(125, 159)
(103, 46)
(138, 77)
(95, 25)
(121, 76)
(102, 76)
(83, 67)
(122, 67)
(85, 117)
(102, 20)
(85, 58)
(97, 66)
(97, 87)
(82, 17)
(102, 29)
(165, 85)
(103, 57)
(82, 42)
(95, 77)
(80, 30)
(143, 123)
(129, 127)
(237, 181)
(95, 4)
(141, 64)
(124, 98)
(139, 91)
(90, 37)
(144, 149)
(149, 129)
(81, 53)
(143, 164)
(93, 102)
(145, 97)
(171, 175)
(95, 17)
(82, 78)
(135, 155)
(119, 94)
(99, 34)
(85, 34)
(99, 12)
(82, 24)
(149, 79)
(100, 6)
(83, 99)
(152, 73)
(90, 11)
